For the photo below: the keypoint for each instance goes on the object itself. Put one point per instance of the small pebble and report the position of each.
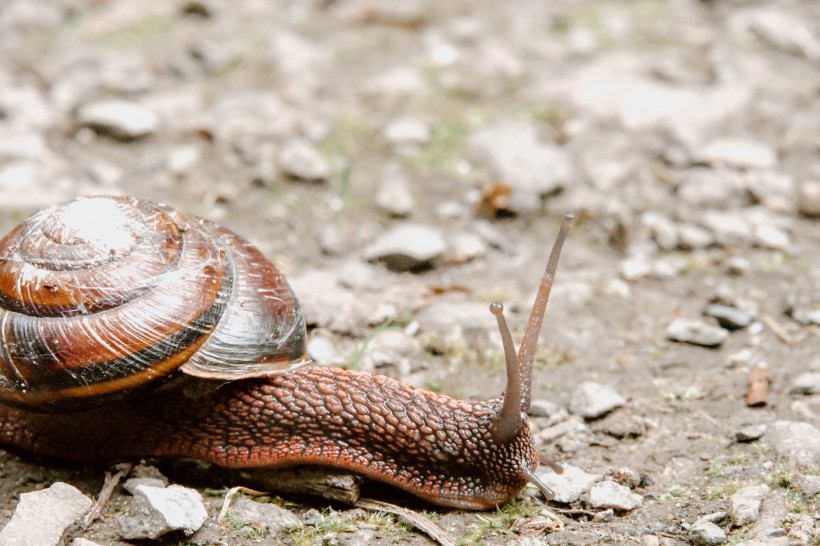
(796, 442)
(604, 516)
(546, 408)
(570, 484)
(808, 198)
(299, 159)
(609, 494)
(513, 154)
(741, 153)
(768, 236)
(729, 317)
(633, 269)
(806, 383)
(750, 433)
(41, 517)
(322, 351)
(809, 485)
(692, 237)
(591, 400)
(119, 119)
(394, 196)
(407, 134)
(707, 534)
(131, 484)
(407, 247)
(745, 504)
(84, 542)
(391, 352)
(696, 332)
(259, 515)
(625, 476)
(156, 511)
(738, 265)
(664, 230)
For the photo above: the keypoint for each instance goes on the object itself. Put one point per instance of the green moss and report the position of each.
(501, 523)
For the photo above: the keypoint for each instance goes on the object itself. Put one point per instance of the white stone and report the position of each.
(41, 517)
(591, 400)
(740, 153)
(119, 118)
(609, 494)
(696, 332)
(570, 484)
(299, 159)
(407, 247)
(513, 154)
(745, 504)
(707, 534)
(155, 511)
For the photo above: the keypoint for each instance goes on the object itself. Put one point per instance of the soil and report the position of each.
(233, 84)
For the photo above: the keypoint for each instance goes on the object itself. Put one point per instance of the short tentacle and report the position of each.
(508, 422)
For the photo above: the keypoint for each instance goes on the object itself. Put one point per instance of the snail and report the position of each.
(130, 329)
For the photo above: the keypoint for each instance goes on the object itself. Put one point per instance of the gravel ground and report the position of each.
(407, 163)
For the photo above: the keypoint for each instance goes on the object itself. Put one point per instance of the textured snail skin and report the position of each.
(433, 446)
(223, 389)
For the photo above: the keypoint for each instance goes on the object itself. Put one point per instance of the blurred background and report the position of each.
(406, 163)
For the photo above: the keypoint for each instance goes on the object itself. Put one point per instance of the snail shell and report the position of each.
(104, 294)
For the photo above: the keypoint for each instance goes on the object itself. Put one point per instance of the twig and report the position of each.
(111, 481)
(415, 519)
(229, 497)
(776, 329)
(574, 512)
(712, 420)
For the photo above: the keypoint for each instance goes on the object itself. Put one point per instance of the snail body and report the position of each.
(225, 380)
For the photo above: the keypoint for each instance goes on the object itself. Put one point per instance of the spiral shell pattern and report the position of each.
(104, 294)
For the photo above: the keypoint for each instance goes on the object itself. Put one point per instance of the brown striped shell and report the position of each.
(103, 294)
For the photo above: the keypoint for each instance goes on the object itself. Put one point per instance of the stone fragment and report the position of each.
(394, 196)
(513, 154)
(84, 542)
(118, 119)
(407, 134)
(131, 484)
(625, 476)
(738, 153)
(591, 400)
(707, 534)
(609, 494)
(696, 332)
(729, 317)
(808, 198)
(570, 484)
(156, 511)
(407, 247)
(784, 31)
(797, 442)
(806, 383)
(769, 236)
(299, 159)
(262, 516)
(744, 505)
(616, 87)
(664, 230)
(750, 433)
(391, 352)
(809, 485)
(41, 517)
